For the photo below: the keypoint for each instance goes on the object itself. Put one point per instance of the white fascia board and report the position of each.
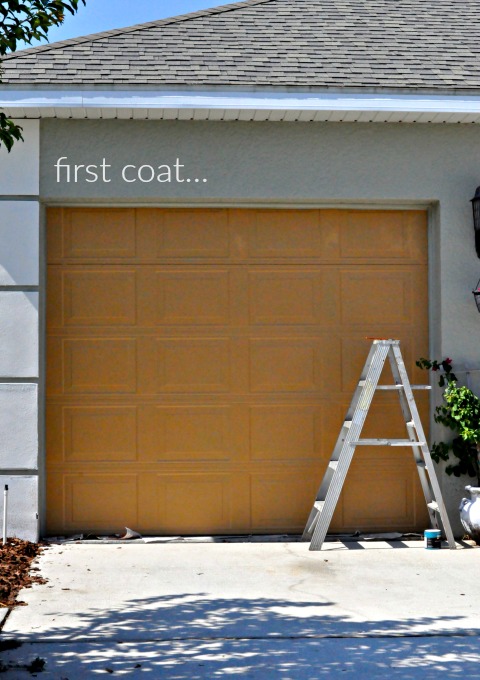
(44, 101)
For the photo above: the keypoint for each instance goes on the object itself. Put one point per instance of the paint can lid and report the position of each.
(432, 533)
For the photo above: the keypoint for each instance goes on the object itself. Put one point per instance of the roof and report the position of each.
(408, 44)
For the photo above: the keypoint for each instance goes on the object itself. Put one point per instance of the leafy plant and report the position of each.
(460, 412)
(26, 21)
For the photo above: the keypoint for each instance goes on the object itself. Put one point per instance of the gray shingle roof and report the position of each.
(426, 44)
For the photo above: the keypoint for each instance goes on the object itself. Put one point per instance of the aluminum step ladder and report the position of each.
(349, 438)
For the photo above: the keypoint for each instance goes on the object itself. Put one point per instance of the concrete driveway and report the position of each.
(250, 610)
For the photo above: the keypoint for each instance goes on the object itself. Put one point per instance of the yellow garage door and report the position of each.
(200, 362)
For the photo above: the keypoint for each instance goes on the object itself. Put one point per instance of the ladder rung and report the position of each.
(386, 442)
(433, 506)
(318, 506)
(333, 464)
(400, 387)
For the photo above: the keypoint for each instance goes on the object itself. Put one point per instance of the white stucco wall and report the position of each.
(19, 242)
(19, 330)
(18, 426)
(19, 334)
(298, 164)
(19, 169)
(22, 520)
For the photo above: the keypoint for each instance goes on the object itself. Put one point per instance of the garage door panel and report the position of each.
(196, 365)
(284, 365)
(100, 434)
(100, 501)
(390, 487)
(385, 420)
(286, 235)
(92, 297)
(193, 233)
(282, 500)
(99, 365)
(381, 234)
(283, 298)
(54, 312)
(99, 298)
(330, 301)
(188, 433)
(285, 433)
(54, 362)
(417, 235)
(190, 503)
(99, 233)
(91, 434)
(54, 434)
(193, 297)
(182, 365)
(55, 511)
(293, 297)
(377, 294)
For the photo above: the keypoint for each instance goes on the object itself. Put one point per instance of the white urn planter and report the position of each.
(470, 513)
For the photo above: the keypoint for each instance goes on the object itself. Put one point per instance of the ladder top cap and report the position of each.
(384, 341)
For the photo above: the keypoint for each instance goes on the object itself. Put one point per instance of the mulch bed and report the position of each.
(16, 572)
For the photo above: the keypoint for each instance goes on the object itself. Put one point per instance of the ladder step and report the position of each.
(400, 387)
(386, 442)
(333, 464)
(318, 506)
(433, 506)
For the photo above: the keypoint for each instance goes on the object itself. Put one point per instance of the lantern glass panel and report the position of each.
(476, 295)
(476, 219)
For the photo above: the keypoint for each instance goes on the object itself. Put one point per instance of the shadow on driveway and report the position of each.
(198, 637)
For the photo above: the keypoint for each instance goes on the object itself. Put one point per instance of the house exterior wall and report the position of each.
(274, 164)
(19, 331)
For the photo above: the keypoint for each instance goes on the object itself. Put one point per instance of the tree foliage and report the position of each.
(23, 21)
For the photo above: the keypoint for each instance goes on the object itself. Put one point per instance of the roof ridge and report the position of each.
(136, 27)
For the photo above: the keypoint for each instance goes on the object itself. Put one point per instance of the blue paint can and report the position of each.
(433, 539)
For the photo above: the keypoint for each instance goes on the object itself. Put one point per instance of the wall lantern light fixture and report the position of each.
(476, 219)
(476, 295)
(476, 225)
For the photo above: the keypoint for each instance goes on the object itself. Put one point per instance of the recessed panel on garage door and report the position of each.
(193, 297)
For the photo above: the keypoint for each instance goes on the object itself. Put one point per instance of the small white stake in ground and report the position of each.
(5, 511)
(349, 438)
